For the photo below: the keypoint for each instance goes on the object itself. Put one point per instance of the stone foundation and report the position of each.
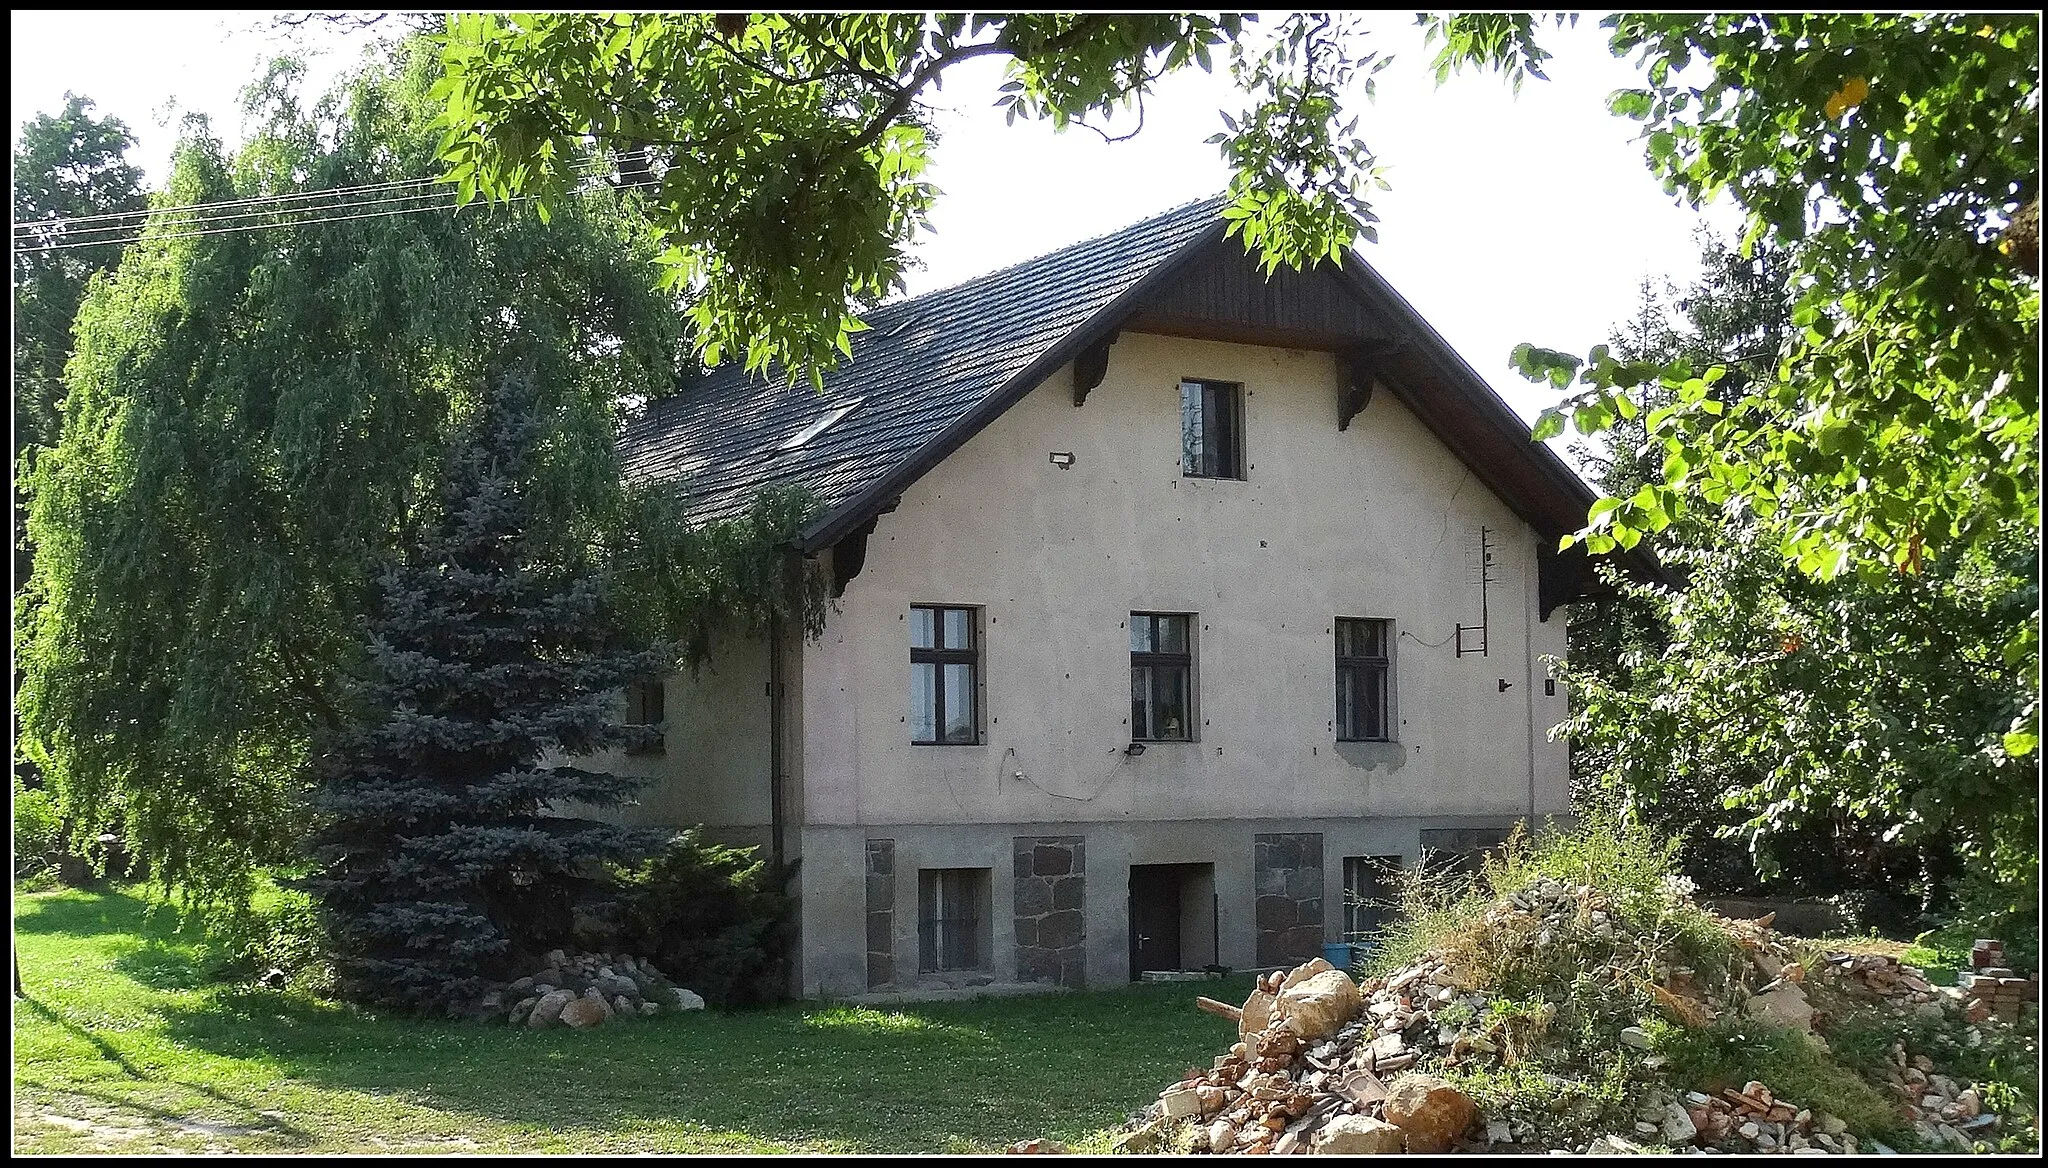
(881, 907)
(1287, 869)
(1048, 903)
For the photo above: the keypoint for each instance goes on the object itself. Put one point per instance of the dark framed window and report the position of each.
(1162, 677)
(646, 705)
(945, 673)
(952, 919)
(1211, 430)
(1369, 893)
(1364, 705)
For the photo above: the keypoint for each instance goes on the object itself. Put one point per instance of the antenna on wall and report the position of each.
(1472, 638)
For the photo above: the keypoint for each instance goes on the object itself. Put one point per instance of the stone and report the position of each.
(1498, 1132)
(649, 1009)
(1140, 1142)
(548, 1008)
(1612, 1146)
(1317, 1005)
(523, 1010)
(1039, 1147)
(1429, 1111)
(1257, 1015)
(1357, 1135)
(584, 1013)
(1635, 1036)
(1830, 1124)
(1676, 1125)
(593, 995)
(1784, 1006)
(1222, 1136)
(519, 988)
(623, 1008)
(1388, 1046)
(1180, 1103)
(685, 1000)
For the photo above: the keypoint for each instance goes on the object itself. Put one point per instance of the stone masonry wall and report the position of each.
(1288, 871)
(881, 869)
(1049, 887)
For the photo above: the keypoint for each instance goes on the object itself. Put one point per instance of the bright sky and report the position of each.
(1512, 218)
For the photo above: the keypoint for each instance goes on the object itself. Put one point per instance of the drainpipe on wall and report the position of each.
(1529, 602)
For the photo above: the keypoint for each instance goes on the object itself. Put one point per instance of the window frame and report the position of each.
(1359, 665)
(1354, 906)
(1155, 660)
(1223, 427)
(935, 929)
(640, 711)
(940, 657)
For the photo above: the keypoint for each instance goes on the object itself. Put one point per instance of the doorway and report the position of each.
(1172, 917)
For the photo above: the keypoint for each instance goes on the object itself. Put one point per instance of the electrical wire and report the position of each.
(204, 218)
(300, 222)
(1108, 778)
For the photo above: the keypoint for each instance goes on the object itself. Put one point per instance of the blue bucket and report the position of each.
(1338, 953)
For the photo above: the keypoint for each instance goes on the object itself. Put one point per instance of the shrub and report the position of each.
(713, 918)
(38, 831)
(277, 928)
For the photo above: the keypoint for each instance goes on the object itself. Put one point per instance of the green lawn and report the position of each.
(119, 1047)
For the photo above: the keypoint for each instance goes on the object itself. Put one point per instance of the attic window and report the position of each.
(821, 425)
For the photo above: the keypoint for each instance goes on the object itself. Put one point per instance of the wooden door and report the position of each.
(1155, 918)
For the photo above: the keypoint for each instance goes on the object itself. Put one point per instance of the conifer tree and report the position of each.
(442, 864)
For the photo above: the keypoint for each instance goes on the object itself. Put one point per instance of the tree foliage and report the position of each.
(255, 420)
(440, 864)
(781, 156)
(67, 166)
(1893, 157)
(1848, 720)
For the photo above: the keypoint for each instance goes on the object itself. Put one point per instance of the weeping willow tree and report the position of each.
(254, 418)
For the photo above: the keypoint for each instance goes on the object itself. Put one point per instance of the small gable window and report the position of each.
(1211, 430)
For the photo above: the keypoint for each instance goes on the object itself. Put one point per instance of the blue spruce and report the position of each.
(444, 864)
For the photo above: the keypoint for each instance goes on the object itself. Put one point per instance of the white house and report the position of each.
(1168, 601)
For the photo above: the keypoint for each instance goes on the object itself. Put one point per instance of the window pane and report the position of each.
(921, 628)
(959, 703)
(1141, 701)
(1173, 634)
(959, 628)
(1372, 703)
(1347, 704)
(924, 700)
(1219, 443)
(1191, 428)
(1169, 702)
(1141, 633)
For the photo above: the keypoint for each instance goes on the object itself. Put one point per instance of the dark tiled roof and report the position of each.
(921, 367)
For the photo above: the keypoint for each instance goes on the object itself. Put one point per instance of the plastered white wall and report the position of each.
(1379, 520)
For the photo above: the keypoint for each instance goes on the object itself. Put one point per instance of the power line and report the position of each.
(293, 222)
(123, 220)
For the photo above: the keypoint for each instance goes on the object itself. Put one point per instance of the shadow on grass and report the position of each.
(945, 1077)
(953, 1076)
(267, 1124)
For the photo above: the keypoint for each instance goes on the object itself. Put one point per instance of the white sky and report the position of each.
(1512, 218)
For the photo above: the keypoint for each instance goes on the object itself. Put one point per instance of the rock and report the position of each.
(1357, 1135)
(1498, 1132)
(519, 988)
(548, 1008)
(1313, 967)
(1831, 1124)
(584, 1013)
(522, 1011)
(685, 1000)
(1784, 1006)
(1612, 1146)
(604, 1007)
(1676, 1125)
(1141, 1142)
(1180, 1103)
(1429, 1111)
(1388, 1046)
(556, 959)
(1037, 1148)
(1316, 1006)
(622, 1008)
(1222, 1136)
(1257, 1014)
(1635, 1036)
(649, 1009)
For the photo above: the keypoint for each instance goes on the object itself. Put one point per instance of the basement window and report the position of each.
(1211, 430)
(1370, 894)
(952, 919)
(824, 423)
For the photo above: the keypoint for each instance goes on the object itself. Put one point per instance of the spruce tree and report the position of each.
(442, 865)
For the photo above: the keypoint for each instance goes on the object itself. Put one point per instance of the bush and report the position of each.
(275, 928)
(713, 918)
(38, 831)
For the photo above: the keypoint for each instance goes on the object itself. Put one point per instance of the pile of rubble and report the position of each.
(1323, 1064)
(589, 989)
(1993, 990)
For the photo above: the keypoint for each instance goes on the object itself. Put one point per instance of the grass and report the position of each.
(121, 1045)
(1731, 1052)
